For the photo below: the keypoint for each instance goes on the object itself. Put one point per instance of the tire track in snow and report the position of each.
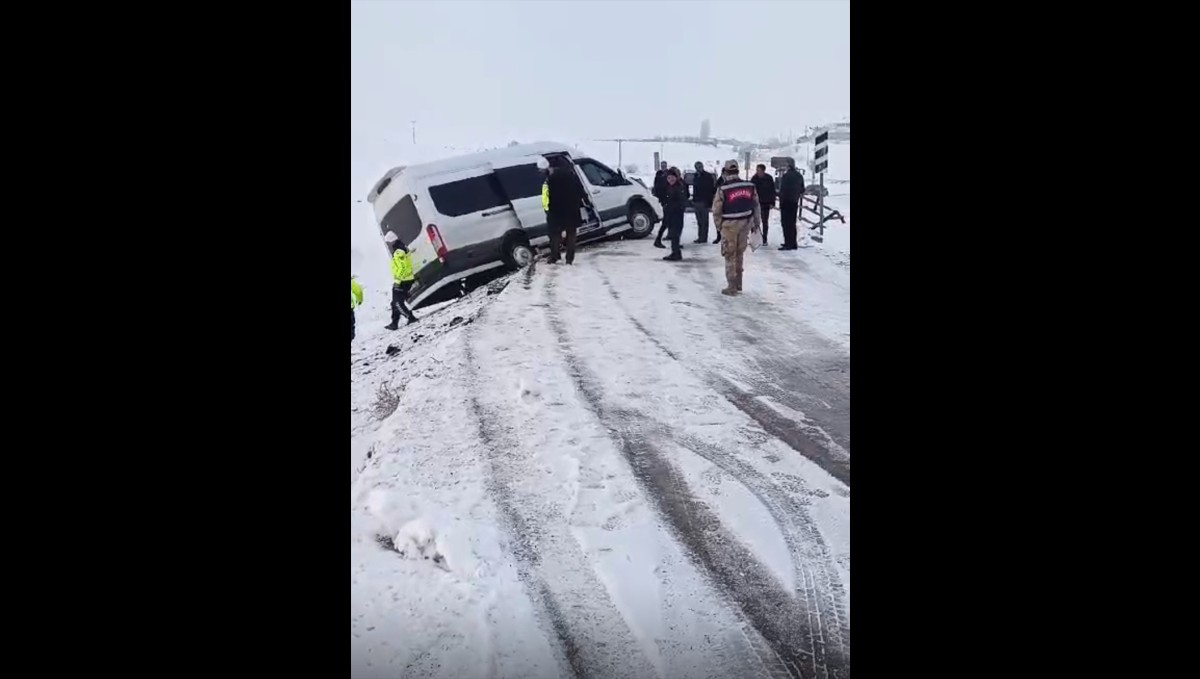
(753, 320)
(590, 631)
(816, 386)
(525, 556)
(812, 559)
(813, 442)
(805, 640)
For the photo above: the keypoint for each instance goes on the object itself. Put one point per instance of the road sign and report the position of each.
(821, 152)
(781, 162)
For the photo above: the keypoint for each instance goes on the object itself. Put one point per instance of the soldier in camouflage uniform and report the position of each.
(737, 215)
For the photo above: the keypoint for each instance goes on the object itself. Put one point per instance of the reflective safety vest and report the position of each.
(546, 196)
(737, 199)
(402, 267)
(356, 295)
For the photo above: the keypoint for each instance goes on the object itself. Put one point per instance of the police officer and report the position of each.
(736, 214)
(543, 166)
(402, 281)
(356, 298)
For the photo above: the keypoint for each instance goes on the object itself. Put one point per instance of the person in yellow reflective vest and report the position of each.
(356, 298)
(402, 281)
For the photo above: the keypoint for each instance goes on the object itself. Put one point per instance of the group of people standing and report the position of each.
(739, 208)
(668, 181)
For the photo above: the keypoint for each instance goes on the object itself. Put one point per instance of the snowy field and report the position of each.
(607, 469)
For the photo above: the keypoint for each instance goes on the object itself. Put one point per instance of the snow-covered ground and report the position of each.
(607, 469)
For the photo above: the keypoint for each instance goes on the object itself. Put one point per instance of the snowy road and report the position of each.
(609, 470)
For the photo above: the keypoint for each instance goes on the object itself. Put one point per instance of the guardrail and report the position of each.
(821, 214)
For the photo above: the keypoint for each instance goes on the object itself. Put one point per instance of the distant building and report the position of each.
(705, 129)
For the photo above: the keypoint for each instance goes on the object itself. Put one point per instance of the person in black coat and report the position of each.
(660, 181)
(660, 185)
(566, 199)
(717, 187)
(765, 185)
(791, 191)
(674, 200)
(703, 190)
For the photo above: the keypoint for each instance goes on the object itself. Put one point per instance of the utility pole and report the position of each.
(414, 131)
(620, 151)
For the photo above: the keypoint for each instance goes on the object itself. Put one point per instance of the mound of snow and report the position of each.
(641, 153)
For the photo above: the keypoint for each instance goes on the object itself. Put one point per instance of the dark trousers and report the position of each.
(352, 325)
(399, 297)
(556, 229)
(787, 218)
(766, 218)
(702, 212)
(674, 223)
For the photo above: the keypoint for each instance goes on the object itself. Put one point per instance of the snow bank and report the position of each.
(679, 154)
(432, 592)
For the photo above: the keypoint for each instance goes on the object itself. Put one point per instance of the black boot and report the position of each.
(411, 320)
(658, 243)
(673, 257)
(391, 326)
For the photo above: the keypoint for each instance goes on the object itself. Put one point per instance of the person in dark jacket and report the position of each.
(764, 184)
(703, 190)
(660, 183)
(674, 200)
(717, 187)
(562, 211)
(791, 191)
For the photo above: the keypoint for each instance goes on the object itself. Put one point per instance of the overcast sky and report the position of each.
(487, 72)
